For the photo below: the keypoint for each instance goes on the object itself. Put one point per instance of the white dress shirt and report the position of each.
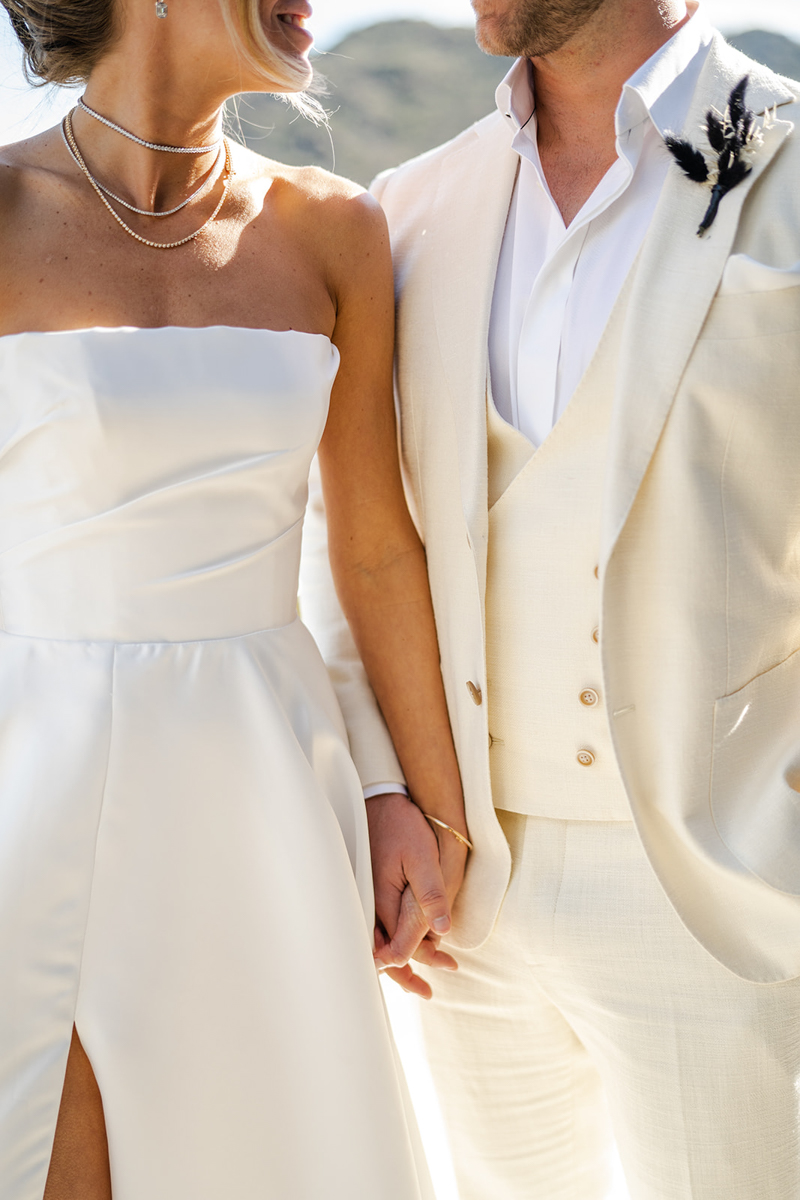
(556, 285)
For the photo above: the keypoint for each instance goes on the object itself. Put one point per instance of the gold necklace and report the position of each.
(72, 146)
(148, 212)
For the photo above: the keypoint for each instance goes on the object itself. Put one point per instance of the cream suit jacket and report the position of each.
(700, 556)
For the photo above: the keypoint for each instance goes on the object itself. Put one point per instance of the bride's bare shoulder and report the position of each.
(15, 165)
(316, 185)
(330, 204)
(312, 181)
(31, 154)
(28, 167)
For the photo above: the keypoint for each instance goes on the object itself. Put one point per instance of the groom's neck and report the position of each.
(578, 87)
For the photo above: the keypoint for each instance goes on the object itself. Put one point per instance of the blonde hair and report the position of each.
(292, 78)
(63, 40)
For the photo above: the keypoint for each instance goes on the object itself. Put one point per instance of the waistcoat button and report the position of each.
(585, 758)
(596, 635)
(589, 697)
(475, 691)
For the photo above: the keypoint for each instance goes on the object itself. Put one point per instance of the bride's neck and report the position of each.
(161, 96)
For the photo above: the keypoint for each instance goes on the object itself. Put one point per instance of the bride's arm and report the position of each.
(370, 743)
(379, 569)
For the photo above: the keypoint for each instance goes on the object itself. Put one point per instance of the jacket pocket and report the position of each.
(744, 275)
(755, 777)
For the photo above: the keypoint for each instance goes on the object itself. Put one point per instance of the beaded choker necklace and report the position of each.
(227, 172)
(146, 212)
(141, 142)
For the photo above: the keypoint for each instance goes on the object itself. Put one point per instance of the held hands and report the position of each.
(417, 876)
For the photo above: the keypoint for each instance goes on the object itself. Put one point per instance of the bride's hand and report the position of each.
(417, 876)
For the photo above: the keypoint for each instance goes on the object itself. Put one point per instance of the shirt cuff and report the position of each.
(384, 789)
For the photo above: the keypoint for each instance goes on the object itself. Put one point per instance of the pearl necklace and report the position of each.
(72, 146)
(141, 142)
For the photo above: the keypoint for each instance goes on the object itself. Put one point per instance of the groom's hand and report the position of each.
(411, 894)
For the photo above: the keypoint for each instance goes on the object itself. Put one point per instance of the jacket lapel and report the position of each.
(678, 276)
(475, 188)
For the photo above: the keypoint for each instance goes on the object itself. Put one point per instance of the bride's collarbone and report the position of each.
(75, 294)
(66, 265)
(54, 303)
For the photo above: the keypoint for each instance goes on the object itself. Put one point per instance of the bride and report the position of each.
(189, 1008)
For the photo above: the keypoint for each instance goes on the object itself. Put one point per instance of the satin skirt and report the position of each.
(184, 874)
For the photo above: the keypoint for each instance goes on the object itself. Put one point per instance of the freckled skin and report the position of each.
(301, 226)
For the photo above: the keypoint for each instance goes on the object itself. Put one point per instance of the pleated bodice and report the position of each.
(153, 481)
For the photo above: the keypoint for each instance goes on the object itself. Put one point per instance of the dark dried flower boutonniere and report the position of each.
(732, 136)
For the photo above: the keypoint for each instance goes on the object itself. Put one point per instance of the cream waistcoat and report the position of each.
(551, 753)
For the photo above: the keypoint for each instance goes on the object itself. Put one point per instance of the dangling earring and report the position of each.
(161, 8)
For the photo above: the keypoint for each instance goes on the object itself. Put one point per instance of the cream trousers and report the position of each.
(592, 1015)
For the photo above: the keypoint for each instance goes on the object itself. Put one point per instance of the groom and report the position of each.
(600, 421)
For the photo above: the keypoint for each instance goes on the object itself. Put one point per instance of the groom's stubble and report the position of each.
(530, 28)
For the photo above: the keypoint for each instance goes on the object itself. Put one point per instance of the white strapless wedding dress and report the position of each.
(184, 867)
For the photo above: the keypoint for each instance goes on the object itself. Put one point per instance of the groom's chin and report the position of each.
(488, 31)
(500, 33)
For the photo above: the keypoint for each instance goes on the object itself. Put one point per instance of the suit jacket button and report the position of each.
(475, 691)
(585, 758)
(596, 636)
(589, 697)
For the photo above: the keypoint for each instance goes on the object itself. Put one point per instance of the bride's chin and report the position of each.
(292, 39)
(287, 46)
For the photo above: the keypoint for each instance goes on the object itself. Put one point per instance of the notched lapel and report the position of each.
(678, 276)
(472, 202)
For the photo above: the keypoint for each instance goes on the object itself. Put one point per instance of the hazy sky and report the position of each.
(23, 111)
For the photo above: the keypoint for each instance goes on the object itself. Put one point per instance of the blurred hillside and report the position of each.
(779, 53)
(398, 88)
(394, 90)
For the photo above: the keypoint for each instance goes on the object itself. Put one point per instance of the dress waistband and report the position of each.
(85, 589)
